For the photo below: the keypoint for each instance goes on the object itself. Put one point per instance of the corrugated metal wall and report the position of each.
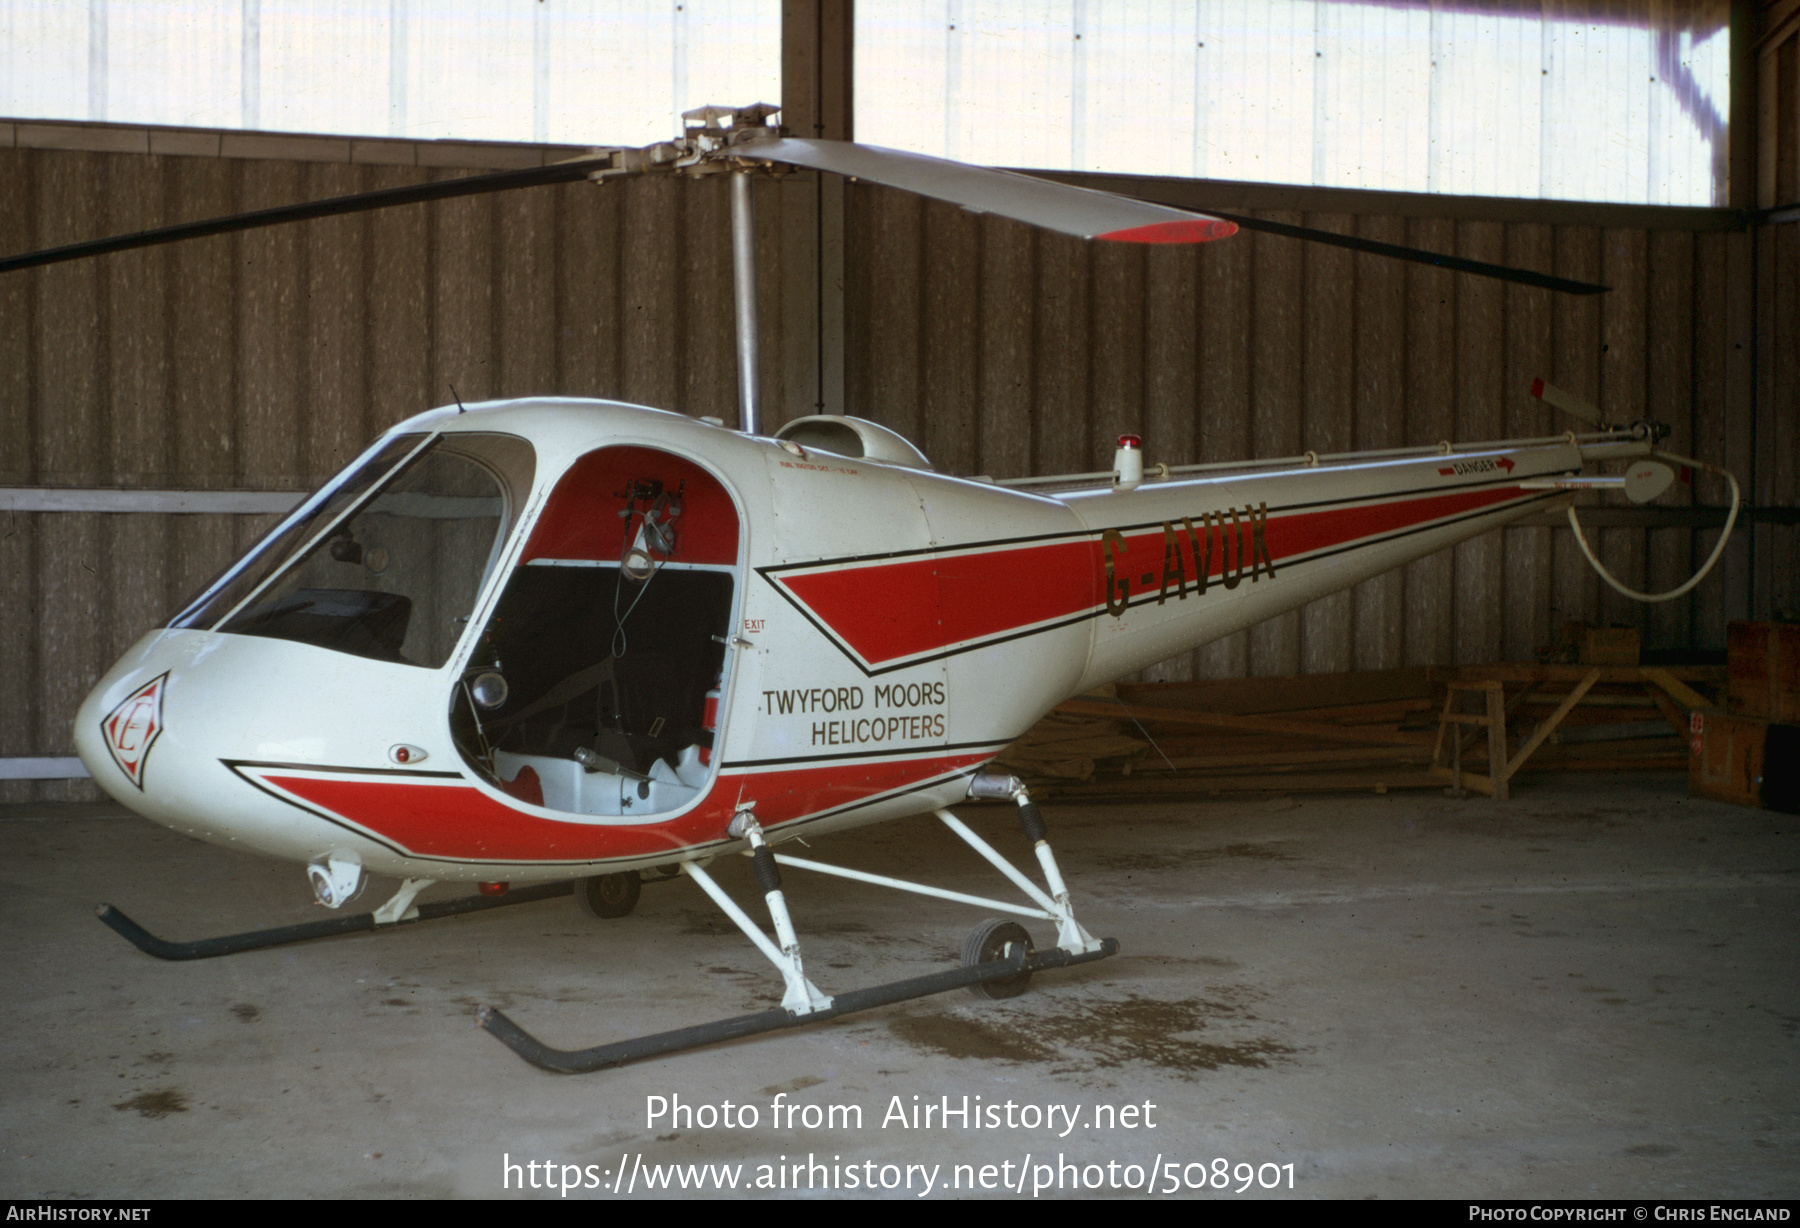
(263, 361)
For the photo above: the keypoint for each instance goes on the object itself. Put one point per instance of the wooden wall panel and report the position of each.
(525, 292)
(1622, 368)
(1327, 418)
(1379, 410)
(1118, 372)
(1062, 440)
(1527, 559)
(462, 298)
(1227, 327)
(707, 338)
(651, 293)
(587, 290)
(787, 232)
(272, 296)
(398, 302)
(132, 298)
(1171, 409)
(1669, 398)
(334, 368)
(1008, 388)
(18, 341)
(950, 332)
(1575, 362)
(885, 330)
(69, 426)
(1480, 366)
(1277, 298)
(1430, 417)
(21, 729)
(1711, 347)
(1742, 378)
(1778, 426)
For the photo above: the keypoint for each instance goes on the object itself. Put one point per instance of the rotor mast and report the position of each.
(708, 135)
(743, 271)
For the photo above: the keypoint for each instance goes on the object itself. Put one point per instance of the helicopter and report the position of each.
(558, 646)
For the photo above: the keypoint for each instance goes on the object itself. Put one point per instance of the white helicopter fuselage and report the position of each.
(827, 640)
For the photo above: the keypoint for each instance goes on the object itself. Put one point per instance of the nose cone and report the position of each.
(121, 726)
(121, 737)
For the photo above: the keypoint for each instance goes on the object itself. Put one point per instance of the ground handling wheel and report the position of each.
(992, 940)
(608, 895)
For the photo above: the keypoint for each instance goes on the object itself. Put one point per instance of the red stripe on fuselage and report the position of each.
(890, 611)
(463, 823)
(887, 611)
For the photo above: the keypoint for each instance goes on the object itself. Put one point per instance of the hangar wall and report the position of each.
(263, 361)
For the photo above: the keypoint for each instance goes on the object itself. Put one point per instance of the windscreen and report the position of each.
(279, 547)
(390, 568)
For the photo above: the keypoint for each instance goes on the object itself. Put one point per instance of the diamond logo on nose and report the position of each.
(131, 729)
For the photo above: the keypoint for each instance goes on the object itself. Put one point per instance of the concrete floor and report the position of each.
(1588, 991)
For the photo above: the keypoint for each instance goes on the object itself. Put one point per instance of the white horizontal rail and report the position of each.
(42, 767)
(203, 502)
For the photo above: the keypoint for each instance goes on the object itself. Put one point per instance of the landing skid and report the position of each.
(231, 944)
(998, 958)
(601, 1057)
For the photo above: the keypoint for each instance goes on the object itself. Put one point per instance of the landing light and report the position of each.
(335, 879)
(489, 689)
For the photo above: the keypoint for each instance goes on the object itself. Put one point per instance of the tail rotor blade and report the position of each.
(1567, 401)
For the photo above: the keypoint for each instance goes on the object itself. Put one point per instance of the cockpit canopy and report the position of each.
(387, 561)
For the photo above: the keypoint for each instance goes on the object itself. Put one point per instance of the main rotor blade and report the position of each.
(1480, 268)
(386, 198)
(1081, 212)
(1091, 214)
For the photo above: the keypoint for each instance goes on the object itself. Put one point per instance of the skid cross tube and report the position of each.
(900, 884)
(619, 1053)
(231, 944)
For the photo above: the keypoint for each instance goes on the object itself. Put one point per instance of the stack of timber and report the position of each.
(1370, 731)
(1747, 749)
(1171, 739)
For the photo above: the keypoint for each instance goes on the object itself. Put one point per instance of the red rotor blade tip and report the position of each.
(1196, 230)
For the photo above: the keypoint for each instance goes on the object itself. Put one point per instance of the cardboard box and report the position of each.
(1725, 761)
(1763, 670)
